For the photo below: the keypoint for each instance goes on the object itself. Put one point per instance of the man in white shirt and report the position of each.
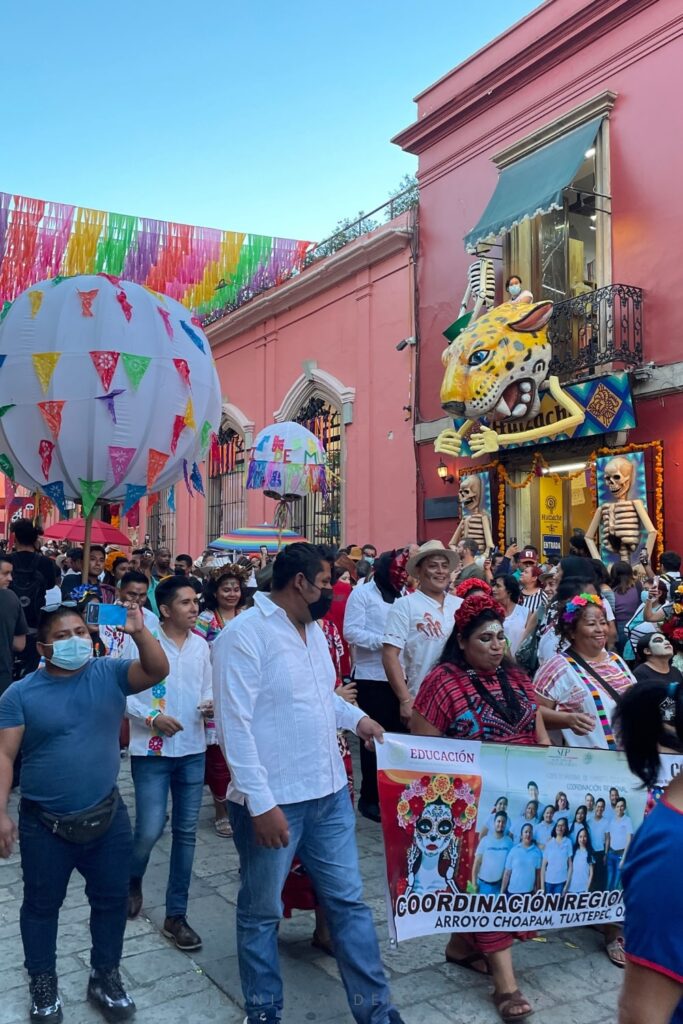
(277, 717)
(168, 749)
(419, 625)
(131, 591)
(507, 591)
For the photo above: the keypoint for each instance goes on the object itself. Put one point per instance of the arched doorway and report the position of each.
(161, 522)
(226, 505)
(316, 517)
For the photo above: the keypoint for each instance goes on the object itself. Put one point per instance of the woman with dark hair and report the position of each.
(582, 861)
(513, 286)
(626, 598)
(557, 858)
(579, 821)
(650, 719)
(225, 595)
(598, 827)
(640, 625)
(654, 652)
(561, 807)
(476, 693)
(602, 581)
(545, 825)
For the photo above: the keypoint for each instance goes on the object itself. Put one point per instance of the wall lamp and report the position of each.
(442, 472)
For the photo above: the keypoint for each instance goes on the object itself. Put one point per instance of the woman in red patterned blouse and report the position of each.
(476, 693)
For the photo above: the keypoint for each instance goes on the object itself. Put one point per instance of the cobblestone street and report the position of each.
(566, 975)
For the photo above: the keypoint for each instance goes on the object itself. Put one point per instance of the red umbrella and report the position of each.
(74, 529)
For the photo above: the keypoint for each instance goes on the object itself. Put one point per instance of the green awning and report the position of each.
(534, 184)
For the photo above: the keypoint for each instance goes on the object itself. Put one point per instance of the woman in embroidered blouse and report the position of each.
(475, 693)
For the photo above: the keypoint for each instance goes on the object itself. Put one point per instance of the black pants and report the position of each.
(378, 700)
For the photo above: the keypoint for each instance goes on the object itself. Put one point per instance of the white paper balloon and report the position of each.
(103, 380)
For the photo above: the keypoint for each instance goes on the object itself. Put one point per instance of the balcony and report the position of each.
(601, 331)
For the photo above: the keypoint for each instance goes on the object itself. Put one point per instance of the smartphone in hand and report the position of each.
(105, 614)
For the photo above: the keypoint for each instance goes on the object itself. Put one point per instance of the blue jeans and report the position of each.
(489, 888)
(322, 834)
(47, 863)
(153, 777)
(614, 869)
(555, 888)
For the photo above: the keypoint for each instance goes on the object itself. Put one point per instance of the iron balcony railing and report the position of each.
(600, 329)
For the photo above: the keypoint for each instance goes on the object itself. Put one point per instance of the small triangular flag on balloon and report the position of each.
(6, 306)
(186, 478)
(166, 317)
(105, 363)
(183, 369)
(36, 300)
(179, 425)
(152, 500)
(52, 414)
(2, 360)
(120, 459)
(55, 492)
(125, 305)
(205, 437)
(90, 492)
(189, 415)
(44, 364)
(5, 408)
(215, 447)
(109, 401)
(45, 450)
(87, 299)
(133, 494)
(6, 466)
(171, 498)
(135, 367)
(155, 463)
(193, 336)
(196, 478)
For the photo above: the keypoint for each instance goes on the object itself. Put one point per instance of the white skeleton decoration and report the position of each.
(481, 287)
(623, 519)
(475, 524)
(433, 840)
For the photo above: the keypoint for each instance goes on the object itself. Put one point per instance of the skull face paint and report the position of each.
(619, 477)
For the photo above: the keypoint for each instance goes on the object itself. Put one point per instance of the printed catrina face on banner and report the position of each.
(433, 829)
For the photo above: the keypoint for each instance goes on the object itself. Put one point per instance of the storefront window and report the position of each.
(226, 498)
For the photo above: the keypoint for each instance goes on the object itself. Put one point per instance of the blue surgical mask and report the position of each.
(515, 290)
(71, 654)
(369, 559)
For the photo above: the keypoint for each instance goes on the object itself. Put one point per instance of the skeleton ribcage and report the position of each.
(482, 281)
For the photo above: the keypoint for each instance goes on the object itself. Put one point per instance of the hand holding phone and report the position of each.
(105, 614)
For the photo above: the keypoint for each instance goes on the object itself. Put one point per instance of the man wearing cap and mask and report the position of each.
(419, 624)
(277, 718)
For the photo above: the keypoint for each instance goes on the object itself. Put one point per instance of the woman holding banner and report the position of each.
(649, 718)
(475, 693)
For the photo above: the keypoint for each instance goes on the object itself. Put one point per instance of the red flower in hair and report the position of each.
(472, 607)
(467, 586)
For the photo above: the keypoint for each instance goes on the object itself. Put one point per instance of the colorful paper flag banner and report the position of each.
(125, 305)
(135, 367)
(183, 369)
(205, 437)
(3, 357)
(5, 408)
(196, 479)
(186, 478)
(193, 336)
(36, 299)
(45, 450)
(90, 492)
(166, 317)
(152, 500)
(171, 498)
(6, 466)
(6, 306)
(55, 492)
(133, 494)
(87, 299)
(52, 414)
(105, 363)
(215, 447)
(156, 461)
(109, 401)
(179, 425)
(120, 459)
(189, 415)
(44, 364)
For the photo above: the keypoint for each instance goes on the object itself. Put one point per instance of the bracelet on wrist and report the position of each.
(406, 700)
(149, 721)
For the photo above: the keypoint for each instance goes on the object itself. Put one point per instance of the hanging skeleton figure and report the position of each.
(622, 520)
(481, 287)
(475, 523)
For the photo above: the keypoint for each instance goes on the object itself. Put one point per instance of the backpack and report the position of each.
(29, 586)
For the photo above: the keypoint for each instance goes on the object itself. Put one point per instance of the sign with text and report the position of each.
(488, 837)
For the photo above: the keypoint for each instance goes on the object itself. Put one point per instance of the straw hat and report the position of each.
(431, 547)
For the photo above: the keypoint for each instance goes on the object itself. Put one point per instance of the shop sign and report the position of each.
(551, 515)
(551, 545)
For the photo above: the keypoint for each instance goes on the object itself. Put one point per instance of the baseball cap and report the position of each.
(528, 555)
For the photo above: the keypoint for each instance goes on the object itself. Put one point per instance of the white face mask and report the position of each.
(515, 290)
(71, 654)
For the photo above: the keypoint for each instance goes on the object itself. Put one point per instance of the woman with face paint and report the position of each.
(475, 693)
(654, 652)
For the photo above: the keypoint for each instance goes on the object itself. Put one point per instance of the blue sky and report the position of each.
(266, 117)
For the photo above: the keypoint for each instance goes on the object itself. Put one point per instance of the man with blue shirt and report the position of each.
(65, 719)
(491, 856)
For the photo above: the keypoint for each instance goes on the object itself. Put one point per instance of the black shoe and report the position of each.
(45, 1002)
(395, 1017)
(370, 811)
(178, 930)
(134, 897)
(106, 991)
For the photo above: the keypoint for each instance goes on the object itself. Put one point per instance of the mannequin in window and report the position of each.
(513, 286)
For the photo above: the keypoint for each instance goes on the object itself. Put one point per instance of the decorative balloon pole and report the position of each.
(108, 392)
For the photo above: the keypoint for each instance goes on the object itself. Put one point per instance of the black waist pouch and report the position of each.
(83, 827)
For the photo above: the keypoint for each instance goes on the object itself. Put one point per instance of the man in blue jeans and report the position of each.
(277, 717)
(168, 749)
(65, 719)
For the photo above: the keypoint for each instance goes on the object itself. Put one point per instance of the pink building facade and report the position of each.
(615, 63)
(322, 349)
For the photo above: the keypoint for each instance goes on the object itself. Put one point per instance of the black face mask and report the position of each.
(318, 609)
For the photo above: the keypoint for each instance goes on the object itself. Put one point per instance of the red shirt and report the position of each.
(336, 615)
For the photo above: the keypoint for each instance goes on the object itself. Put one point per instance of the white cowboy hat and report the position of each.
(431, 547)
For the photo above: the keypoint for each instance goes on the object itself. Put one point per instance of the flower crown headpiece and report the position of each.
(455, 793)
(573, 607)
(239, 572)
(83, 591)
(472, 607)
(467, 586)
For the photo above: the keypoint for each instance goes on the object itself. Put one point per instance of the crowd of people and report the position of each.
(248, 677)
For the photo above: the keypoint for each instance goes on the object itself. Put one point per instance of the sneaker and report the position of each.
(45, 1002)
(106, 991)
(178, 930)
(134, 897)
(370, 811)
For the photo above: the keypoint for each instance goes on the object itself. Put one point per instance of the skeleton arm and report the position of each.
(487, 532)
(647, 525)
(466, 297)
(455, 539)
(449, 442)
(488, 441)
(592, 532)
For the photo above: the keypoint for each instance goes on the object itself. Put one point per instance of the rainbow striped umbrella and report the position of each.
(250, 539)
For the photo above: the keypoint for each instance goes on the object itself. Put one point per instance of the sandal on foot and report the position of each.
(222, 828)
(506, 1001)
(615, 951)
(469, 962)
(320, 943)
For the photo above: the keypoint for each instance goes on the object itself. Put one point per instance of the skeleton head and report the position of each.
(619, 477)
(470, 493)
(433, 829)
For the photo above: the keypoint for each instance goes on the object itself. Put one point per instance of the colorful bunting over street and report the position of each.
(52, 414)
(133, 494)
(90, 492)
(45, 450)
(135, 367)
(183, 368)
(120, 459)
(44, 364)
(55, 492)
(155, 463)
(209, 271)
(105, 363)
